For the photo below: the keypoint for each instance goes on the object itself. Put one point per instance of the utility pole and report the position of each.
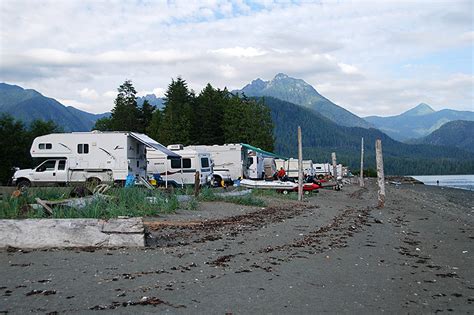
(380, 173)
(361, 181)
(300, 166)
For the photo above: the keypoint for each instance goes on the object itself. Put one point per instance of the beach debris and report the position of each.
(46, 207)
(42, 292)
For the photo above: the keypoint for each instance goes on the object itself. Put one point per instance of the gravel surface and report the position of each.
(335, 252)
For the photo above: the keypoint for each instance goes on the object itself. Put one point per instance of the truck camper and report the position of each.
(92, 157)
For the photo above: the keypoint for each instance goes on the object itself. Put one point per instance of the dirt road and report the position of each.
(333, 253)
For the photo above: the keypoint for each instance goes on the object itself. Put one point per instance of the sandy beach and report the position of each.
(335, 252)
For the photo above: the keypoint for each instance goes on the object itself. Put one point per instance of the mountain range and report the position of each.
(28, 105)
(321, 136)
(458, 133)
(323, 130)
(417, 122)
(299, 92)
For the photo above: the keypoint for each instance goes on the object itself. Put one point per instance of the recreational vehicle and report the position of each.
(88, 157)
(291, 167)
(180, 172)
(322, 169)
(234, 161)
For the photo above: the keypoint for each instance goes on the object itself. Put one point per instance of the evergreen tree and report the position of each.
(125, 115)
(208, 114)
(177, 114)
(146, 115)
(153, 130)
(103, 124)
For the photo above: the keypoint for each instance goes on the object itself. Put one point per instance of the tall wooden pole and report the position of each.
(334, 166)
(300, 166)
(380, 174)
(361, 182)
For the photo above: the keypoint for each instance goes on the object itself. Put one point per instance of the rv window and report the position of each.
(61, 165)
(250, 161)
(83, 148)
(318, 167)
(43, 146)
(204, 162)
(176, 163)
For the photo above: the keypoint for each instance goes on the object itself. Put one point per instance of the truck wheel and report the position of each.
(92, 182)
(23, 184)
(216, 181)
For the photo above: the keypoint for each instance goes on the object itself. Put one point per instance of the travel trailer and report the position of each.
(180, 172)
(94, 157)
(291, 167)
(234, 161)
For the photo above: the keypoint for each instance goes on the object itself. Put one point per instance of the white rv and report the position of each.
(180, 172)
(88, 157)
(322, 169)
(234, 161)
(291, 167)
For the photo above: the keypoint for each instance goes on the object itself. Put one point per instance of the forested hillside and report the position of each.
(417, 122)
(213, 117)
(321, 137)
(458, 133)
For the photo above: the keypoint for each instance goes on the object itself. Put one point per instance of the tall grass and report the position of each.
(130, 202)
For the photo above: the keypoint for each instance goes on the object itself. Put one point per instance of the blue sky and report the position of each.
(371, 57)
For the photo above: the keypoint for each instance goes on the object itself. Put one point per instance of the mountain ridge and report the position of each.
(417, 122)
(28, 105)
(299, 92)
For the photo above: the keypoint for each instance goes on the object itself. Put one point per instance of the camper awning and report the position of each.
(149, 142)
(264, 153)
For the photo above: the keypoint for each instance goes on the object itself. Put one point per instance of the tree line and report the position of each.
(214, 116)
(15, 141)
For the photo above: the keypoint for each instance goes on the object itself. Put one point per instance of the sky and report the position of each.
(370, 57)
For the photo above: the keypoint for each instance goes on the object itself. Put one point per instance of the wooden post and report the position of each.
(300, 166)
(380, 174)
(197, 184)
(361, 182)
(334, 166)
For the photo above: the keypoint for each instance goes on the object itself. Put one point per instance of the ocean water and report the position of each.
(453, 181)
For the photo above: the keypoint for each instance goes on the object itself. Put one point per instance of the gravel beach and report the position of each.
(335, 252)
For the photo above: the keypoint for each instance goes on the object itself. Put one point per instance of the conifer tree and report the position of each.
(146, 115)
(177, 114)
(153, 130)
(125, 116)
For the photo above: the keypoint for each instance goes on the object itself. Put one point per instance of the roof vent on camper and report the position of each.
(175, 147)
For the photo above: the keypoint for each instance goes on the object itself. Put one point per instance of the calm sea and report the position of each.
(453, 181)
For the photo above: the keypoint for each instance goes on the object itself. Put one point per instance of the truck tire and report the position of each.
(92, 182)
(23, 184)
(216, 181)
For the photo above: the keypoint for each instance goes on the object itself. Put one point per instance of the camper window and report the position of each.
(82, 148)
(176, 163)
(61, 165)
(250, 161)
(47, 146)
(204, 162)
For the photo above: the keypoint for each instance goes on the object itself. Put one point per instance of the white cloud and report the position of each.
(90, 94)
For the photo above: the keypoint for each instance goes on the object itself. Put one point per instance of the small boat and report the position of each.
(262, 184)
